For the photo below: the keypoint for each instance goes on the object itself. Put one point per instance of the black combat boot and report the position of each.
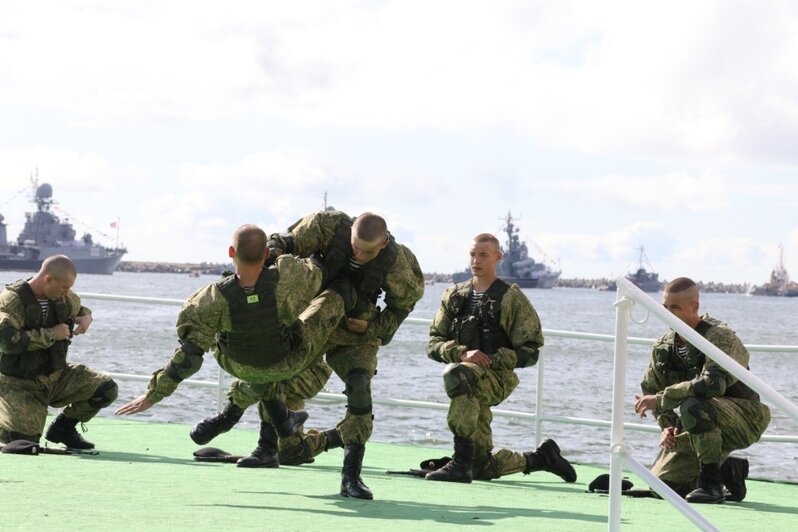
(287, 422)
(265, 454)
(710, 488)
(351, 483)
(547, 457)
(210, 427)
(63, 430)
(300, 453)
(733, 473)
(332, 439)
(460, 467)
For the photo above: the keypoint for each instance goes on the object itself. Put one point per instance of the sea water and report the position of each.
(138, 338)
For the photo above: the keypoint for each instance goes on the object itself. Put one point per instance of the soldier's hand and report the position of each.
(60, 331)
(644, 403)
(139, 404)
(357, 326)
(667, 439)
(475, 356)
(82, 324)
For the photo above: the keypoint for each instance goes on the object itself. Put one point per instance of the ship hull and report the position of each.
(100, 265)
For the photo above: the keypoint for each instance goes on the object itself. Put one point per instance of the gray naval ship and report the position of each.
(516, 265)
(643, 279)
(780, 283)
(45, 234)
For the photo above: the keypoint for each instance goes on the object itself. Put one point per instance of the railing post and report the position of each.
(539, 402)
(623, 307)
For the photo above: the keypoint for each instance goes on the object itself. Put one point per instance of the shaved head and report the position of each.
(249, 243)
(684, 286)
(60, 267)
(370, 227)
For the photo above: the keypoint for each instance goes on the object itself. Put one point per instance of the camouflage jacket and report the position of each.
(12, 321)
(673, 378)
(517, 318)
(403, 285)
(206, 313)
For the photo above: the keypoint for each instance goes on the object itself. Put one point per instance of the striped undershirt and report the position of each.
(474, 299)
(681, 349)
(45, 306)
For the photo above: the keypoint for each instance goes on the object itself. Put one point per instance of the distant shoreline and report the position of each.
(203, 268)
(207, 268)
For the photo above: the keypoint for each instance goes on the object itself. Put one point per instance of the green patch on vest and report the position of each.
(253, 298)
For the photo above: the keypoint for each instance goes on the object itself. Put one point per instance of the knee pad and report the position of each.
(104, 395)
(358, 391)
(459, 380)
(698, 415)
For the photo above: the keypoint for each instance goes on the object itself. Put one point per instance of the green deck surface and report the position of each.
(145, 479)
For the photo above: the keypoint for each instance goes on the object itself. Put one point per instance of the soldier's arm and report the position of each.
(654, 383)
(521, 323)
(309, 235)
(203, 315)
(404, 286)
(440, 347)
(13, 339)
(714, 380)
(300, 281)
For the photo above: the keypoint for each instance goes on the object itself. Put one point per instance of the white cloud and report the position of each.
(674, 191)
(713, 80)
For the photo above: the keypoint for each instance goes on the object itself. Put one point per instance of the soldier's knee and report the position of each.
(358, 391)
(104, 395)
(698, 415)
(459, 380)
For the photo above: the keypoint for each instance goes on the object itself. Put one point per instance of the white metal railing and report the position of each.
(620, 453)
(538, 417)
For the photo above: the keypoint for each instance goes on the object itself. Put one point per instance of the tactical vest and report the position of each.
(678, 369)
(256, 338)
(367, 279)
(479, 328)
(32, 363)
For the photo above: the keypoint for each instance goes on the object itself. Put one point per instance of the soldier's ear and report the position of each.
(231, 252)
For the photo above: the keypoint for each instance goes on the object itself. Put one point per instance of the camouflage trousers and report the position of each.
(343, 359)
(740, 423)
(470, 417)
(317, 321)
(24, 402)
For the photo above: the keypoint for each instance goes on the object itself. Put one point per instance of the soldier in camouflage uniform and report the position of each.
(717, 413)
(36, 320)
(364, 252)
(263, 325)
(484, 329)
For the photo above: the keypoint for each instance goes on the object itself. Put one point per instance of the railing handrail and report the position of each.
(576, 335)
(537, 417)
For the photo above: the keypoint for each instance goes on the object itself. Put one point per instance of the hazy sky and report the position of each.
(602, 126)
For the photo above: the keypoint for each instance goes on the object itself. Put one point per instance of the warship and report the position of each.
(516, 265)
(45, 234)
(643, 279)
(780, 283)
